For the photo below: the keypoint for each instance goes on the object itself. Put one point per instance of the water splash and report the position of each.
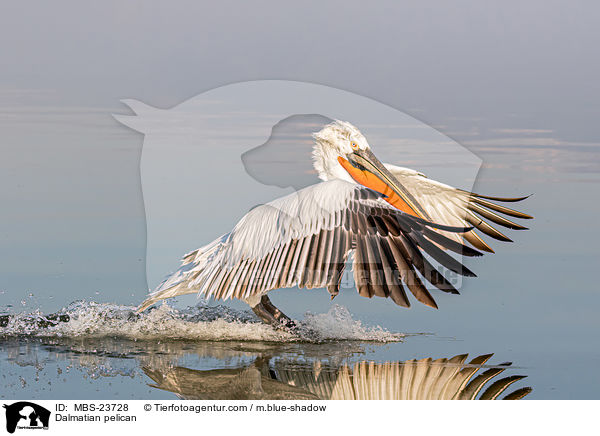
(338, 324)
(200, 323)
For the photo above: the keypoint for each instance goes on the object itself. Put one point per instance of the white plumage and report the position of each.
(381, 213)
(261, 231)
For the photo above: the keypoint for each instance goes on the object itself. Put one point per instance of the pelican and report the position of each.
(383, 217)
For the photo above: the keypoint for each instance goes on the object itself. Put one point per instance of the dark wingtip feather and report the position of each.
(499, 386)
(474, 239)
(453, 229)
(500, 208)
(480, 360)
(518, 394)
(494, 217)
(442, 257)
(486, 228)
(450, 244)
(503, 199)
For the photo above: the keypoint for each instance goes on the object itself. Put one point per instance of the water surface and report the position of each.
(215, 353)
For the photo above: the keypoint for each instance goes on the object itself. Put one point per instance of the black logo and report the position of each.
(26, 415)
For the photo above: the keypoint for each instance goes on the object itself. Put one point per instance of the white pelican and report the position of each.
(382, 214)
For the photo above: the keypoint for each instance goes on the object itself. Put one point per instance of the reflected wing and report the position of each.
(305, 238)
(244, 383)
(424, 379)
(454, 207)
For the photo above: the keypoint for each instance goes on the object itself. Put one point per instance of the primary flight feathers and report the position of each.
(451, 206)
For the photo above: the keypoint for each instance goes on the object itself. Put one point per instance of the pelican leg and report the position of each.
(264, 314)
(266, 311)
(278, 314)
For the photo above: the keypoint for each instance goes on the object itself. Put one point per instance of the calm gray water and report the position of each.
(107, 351)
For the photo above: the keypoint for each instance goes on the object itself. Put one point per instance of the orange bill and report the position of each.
(372, 181)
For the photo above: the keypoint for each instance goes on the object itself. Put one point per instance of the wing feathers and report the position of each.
(499, 208)
(427, 270)
(282, 270)
(475, 240)
(304, 239)
(360, 273)
(450, 244)
(377, 276)
(443, 258)
(450, 206)
(495, 217)
(390, 269)
(518, 394)
(475, 385)
(486, 228)
(410, 278)
(499, 386)
(503, 199)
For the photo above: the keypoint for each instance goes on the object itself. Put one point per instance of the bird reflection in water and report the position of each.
(237, 370)
(424, 379)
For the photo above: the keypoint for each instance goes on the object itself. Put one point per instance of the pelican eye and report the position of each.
(354, 145)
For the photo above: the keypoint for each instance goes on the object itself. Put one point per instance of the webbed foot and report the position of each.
(271, 315)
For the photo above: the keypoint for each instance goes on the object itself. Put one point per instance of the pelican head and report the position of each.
(342, 152)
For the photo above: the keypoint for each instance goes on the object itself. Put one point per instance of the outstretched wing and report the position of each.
(304, 239)
(455, 207)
